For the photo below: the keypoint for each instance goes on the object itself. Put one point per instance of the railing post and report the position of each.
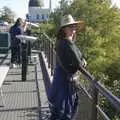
(94, 94)
(24, 61)
(43, 44)
(52, 58)
(45, 47)
(48, 47)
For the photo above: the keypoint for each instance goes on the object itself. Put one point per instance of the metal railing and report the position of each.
(4, 28)
(3, 58)
(47, 46)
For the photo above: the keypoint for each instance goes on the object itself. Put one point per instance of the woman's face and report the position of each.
(70, 30)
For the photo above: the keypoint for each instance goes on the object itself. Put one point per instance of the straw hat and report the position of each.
(68, 20)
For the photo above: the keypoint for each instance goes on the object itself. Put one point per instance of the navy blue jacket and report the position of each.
(15, 30)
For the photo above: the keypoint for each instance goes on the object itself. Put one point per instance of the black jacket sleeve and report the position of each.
(70, 56)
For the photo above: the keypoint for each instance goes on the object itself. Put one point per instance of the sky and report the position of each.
(20, 7)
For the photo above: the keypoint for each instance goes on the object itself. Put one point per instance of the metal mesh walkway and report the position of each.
(24, 100)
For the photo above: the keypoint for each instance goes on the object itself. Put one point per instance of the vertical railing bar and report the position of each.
(102, 113)
(94, 94)
(48, 54)
(52, 59)
(38, 93)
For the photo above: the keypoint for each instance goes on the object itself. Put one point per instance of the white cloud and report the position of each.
(116, 2)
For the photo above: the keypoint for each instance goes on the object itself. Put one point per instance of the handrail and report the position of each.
(96, 86)
(107, 94)
(4, 58)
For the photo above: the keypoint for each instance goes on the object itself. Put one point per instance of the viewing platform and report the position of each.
(24, 100)
(27, 100)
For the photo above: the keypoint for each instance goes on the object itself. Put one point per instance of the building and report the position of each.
(36, 13)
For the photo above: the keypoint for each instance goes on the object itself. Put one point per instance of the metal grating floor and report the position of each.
(21, 98)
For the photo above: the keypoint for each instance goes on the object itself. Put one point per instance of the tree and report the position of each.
(100, 41)
(59, 12)
(7, 14)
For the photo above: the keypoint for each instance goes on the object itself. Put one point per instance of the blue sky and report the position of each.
(20, 7)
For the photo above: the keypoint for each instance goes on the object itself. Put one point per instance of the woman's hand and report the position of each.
(84, 63)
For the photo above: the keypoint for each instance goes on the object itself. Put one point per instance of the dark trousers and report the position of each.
(15, 54)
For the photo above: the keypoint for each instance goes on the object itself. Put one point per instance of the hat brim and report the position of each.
(73, 23)
(80, 26)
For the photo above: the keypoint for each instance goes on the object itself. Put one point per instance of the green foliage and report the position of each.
(56, 15)
(48, 28)
(7, 15)
(100, 41)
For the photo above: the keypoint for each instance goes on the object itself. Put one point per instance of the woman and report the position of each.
(63, 97)
(15, 42)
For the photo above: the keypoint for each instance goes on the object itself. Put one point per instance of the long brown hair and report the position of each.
(60, 35)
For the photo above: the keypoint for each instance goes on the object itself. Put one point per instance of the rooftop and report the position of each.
(35, 3)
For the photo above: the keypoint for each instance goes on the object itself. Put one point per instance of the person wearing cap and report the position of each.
(16, 29)
(63, 96)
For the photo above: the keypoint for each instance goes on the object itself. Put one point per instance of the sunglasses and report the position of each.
(71, 26)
